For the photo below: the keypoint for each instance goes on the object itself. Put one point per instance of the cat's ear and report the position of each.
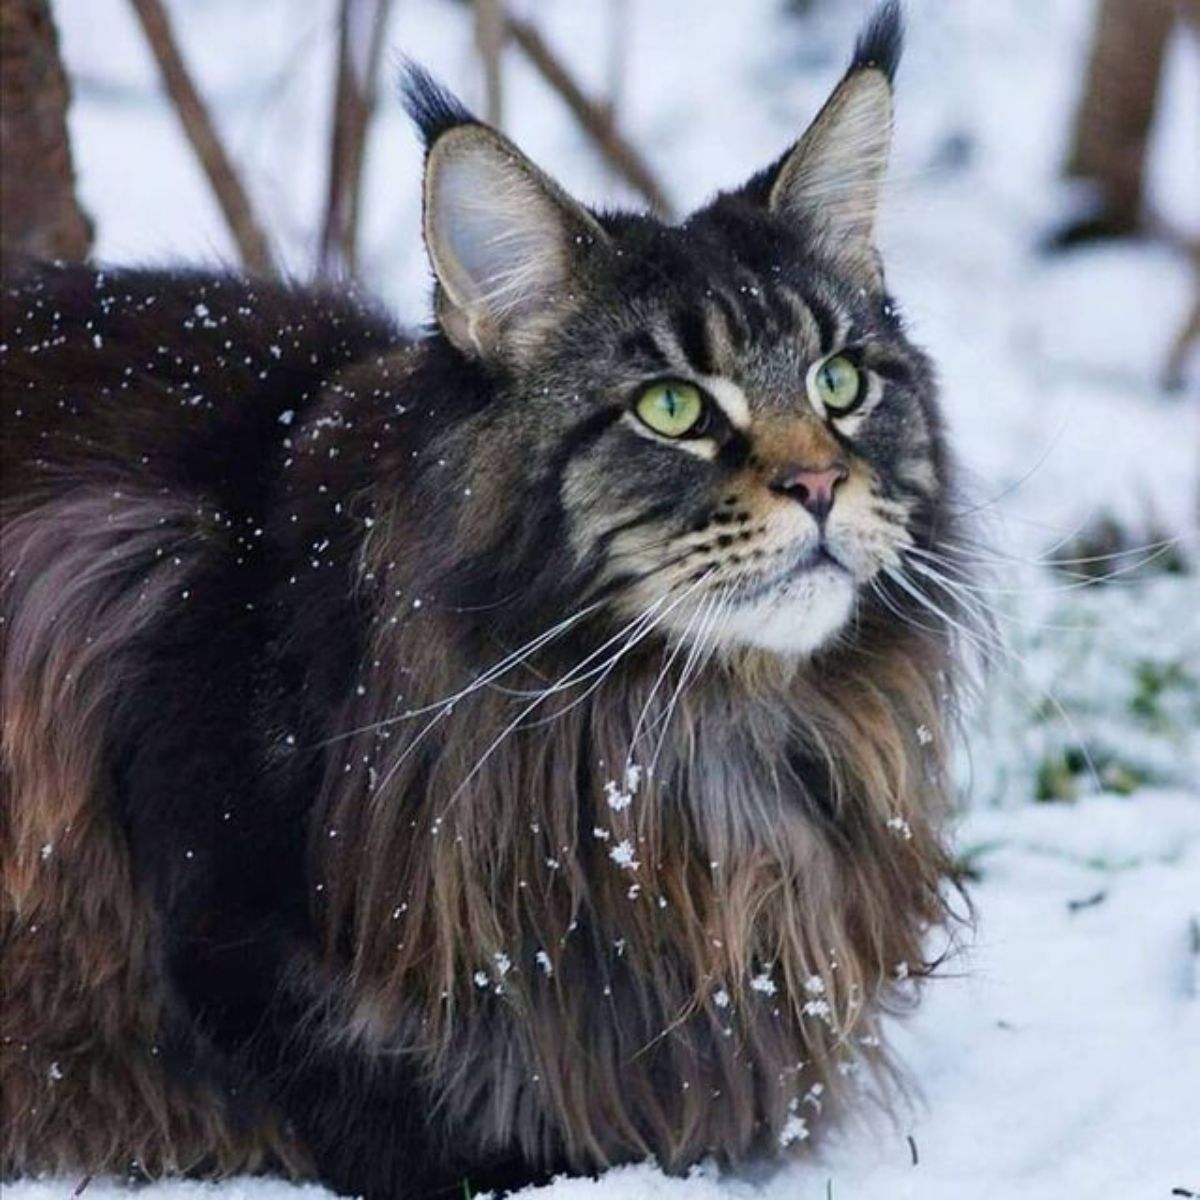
(832, 179)
(503, 238)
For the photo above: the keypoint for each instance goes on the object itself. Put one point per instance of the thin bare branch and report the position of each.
(202, 133)
(489, 37)
(596, 119)
(362, 25)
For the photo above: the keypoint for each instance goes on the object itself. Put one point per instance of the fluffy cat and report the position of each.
(459, 759)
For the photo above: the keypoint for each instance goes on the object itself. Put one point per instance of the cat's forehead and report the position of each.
(719, 300)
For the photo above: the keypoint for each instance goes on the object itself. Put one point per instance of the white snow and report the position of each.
(763, 982)
(1058, 1056)
(617, 799)
(623, 855)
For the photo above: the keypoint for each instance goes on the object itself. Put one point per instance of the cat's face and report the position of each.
(771, 440)
(733, 432)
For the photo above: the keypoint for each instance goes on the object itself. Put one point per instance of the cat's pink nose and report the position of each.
(813, 488)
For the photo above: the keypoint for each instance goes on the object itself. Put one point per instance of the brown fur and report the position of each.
(81, 1010)
(738, 873)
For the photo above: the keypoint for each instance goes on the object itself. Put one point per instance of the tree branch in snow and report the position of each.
(361, 28)
(202, 134)
(596, 119)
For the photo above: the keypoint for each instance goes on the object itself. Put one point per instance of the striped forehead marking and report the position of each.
(729, 398)
(703, 340)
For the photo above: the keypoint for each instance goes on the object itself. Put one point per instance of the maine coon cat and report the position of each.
(452, 760)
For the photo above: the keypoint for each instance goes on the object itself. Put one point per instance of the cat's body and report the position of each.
(417, 768)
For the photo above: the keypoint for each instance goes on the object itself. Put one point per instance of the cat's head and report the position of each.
(719, 423)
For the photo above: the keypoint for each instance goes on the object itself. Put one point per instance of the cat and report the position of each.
(441, 762)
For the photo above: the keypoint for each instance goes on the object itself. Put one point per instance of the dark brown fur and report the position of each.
(81, 1018)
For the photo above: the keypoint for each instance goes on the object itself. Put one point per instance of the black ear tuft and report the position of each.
(881, 41)
(433, 108)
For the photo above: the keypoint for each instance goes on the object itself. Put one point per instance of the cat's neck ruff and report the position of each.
(748, 859)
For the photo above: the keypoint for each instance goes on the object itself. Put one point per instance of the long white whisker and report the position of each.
(571, 677)
(1077, 583)
(603, 670)
(1007, 653)
(957, 627)
(688, 666)
(680, 642)
(481, 680)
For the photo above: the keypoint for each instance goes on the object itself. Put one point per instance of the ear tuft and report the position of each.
(833, 178)
(433, 108)
(881, 42)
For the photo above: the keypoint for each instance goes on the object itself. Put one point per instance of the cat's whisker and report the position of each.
(905, 618)
(529, 693)
(973, 509)
(607, 669)
(725, 606)
(493, 672)
(668, 660)
(542, 695)
(441, 715)
(972, 598)
(1150, 552)
(646, 622)
(951, 624)
(966, 592)
(685, 675)
(1005, 652)
(602, 671)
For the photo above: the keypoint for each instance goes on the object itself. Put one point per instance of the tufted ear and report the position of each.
(832, 178)
(503, 238)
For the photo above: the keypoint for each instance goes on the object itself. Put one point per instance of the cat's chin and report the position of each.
(798, 617)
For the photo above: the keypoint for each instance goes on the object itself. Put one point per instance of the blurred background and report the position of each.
(1042, 236)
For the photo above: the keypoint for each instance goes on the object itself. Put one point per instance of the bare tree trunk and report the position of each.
(39, 214)
(202, 133)
(1112, 125)
(361, 28)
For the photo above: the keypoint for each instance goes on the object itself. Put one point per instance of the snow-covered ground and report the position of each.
(1059, 1056)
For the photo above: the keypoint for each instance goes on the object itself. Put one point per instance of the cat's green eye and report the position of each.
(672, 408)
(836, 385)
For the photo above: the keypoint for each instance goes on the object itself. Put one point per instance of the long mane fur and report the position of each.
(783, 864)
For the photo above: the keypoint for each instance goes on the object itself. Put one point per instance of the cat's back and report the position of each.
(184, 381)
(146, 420)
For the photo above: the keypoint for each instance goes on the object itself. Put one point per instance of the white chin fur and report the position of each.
(799, 617)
